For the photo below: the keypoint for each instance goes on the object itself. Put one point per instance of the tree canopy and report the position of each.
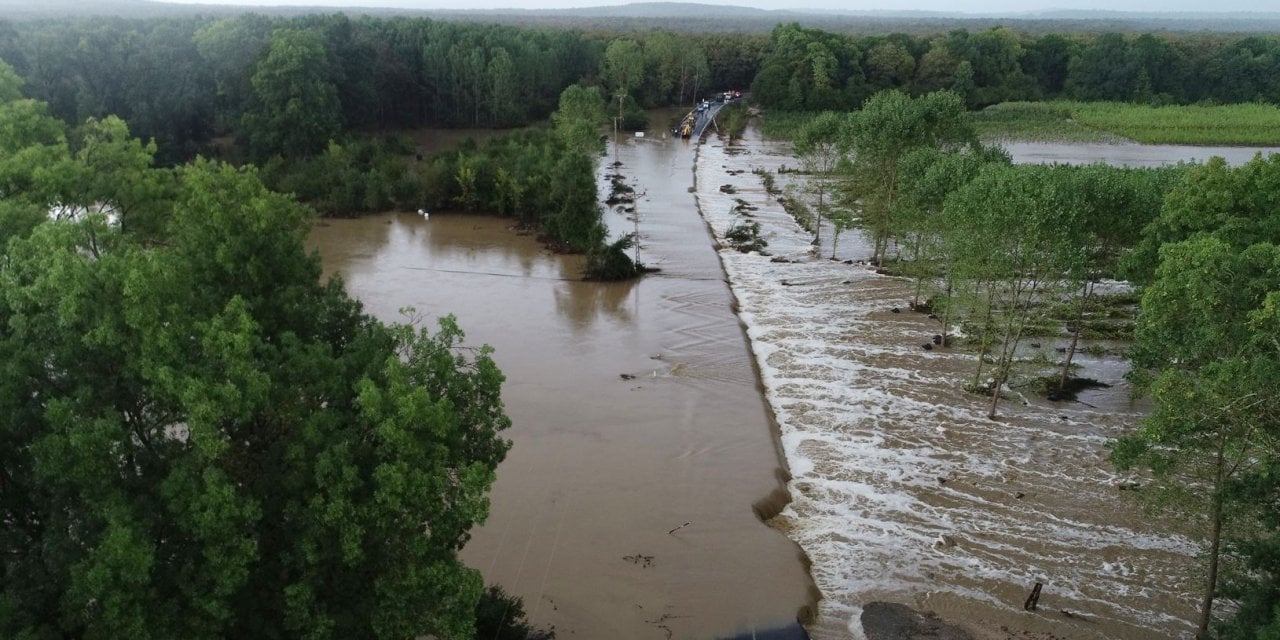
(201, 439)
(1206, 352)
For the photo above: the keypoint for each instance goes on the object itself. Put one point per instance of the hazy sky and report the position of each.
(969, 6)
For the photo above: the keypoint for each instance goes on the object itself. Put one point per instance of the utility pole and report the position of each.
(635, 214)
(617, 124)
(635, 217)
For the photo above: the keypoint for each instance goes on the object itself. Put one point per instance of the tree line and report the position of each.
(1015, 251)
(187, 82)
(814, 70)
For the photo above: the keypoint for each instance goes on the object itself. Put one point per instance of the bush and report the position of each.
(611, 263)
(500, 616)
(746, 238)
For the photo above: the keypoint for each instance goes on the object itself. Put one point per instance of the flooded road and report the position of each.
(903, 490)
(627, 508)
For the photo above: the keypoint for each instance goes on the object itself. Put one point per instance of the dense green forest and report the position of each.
(188, 81)
(201, 439)
(808, 69)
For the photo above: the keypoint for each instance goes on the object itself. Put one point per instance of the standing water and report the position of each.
(1127, 154)
(644, 455)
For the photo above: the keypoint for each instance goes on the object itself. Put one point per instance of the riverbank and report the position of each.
(902, 491)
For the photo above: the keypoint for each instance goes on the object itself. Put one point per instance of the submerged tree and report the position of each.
(817, 146)
(1013, 233)
(930, 175)
(889, 126)
(578, 119)
(1117, 203)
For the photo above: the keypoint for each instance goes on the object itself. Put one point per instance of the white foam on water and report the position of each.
(901, 488)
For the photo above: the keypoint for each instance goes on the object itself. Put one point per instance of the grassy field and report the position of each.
(783, 125)
(1239, 124)
(1105, 122)
(1035, 121)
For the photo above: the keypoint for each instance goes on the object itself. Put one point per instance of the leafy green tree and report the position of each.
(997, 68)
(575, 214)
(609, 262)
(1235, 204)
(889, 65)
(29, 137)
(1117, 203)
(808, 69)
(937, 67)
(662, 52)
(200, 439)
(1046, 60)
(579, 117)
(231, 48)
(1012, 231)
(1203, 352)
(296, 110)
(500, 616)
(1104, 70)
(623, 67)
(928, 176)
(1256, 589)
(817, 146)
(890, 125)
(10, 84)
(504, 98)
(112, 173)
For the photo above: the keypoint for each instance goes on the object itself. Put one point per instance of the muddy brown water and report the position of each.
(603, 468)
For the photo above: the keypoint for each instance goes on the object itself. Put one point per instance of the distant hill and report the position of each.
(1184, 16)
(648, 10)
(32, 9)
(693, 17)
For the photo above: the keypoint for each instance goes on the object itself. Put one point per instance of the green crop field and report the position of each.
(1238, 124)
(1036, 121)
(783, 125)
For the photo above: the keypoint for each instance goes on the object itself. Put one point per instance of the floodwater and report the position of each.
(1128, 154)
(902, 489)
(627, 508)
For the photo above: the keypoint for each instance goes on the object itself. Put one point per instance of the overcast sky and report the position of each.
(970, 6)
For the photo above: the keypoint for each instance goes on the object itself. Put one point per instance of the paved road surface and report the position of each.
(705, 118)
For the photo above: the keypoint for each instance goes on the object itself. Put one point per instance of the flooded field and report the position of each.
(903, 490)
(643, 448)
(1127, 154)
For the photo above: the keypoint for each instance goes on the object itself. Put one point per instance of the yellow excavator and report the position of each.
(686, 125)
